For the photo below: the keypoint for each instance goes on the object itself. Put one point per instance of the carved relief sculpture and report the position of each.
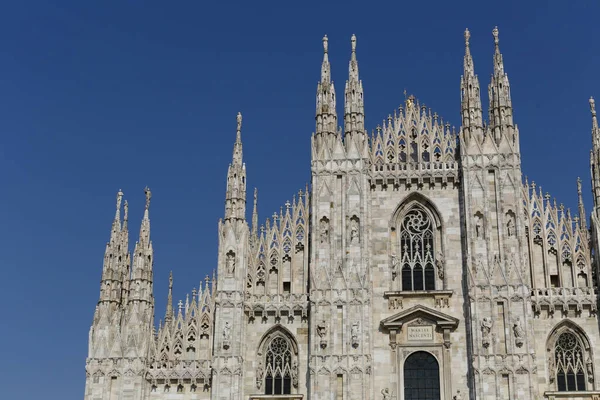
(260, 372)
(354, 230)
(394, 265)
(295, 373)
(386, 394)
(230, 263)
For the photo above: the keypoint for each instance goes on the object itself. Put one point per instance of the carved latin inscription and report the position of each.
(420, 333)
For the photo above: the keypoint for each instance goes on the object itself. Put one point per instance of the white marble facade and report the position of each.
(417, 265)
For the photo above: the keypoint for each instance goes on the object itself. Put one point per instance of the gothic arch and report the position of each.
(569, 358)
(417, 245)
(277, 330)
(417, 198)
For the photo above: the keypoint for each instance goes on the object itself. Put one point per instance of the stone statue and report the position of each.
(354, 233)
(519, 332)
(230, 263)
(478, 227)
(355, 333)
(440, 264)
(394, 265)
(322, 329)
(324, 229)
(295, 373)
(458, 396)
(386, 394)
(486, 329)
(239, 121)
(259, 375)
(227, 331)
(510, 227)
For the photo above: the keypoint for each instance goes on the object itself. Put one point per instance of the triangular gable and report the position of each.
(438, 318)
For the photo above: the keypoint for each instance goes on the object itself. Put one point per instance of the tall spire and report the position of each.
(169, 312)
(326, 116)
(470, 96)
(595, 155)
(255, 215)
(235, 197)
(140, 286)
(114, 260)
(501, 113)
(581, 208)
(354, 118)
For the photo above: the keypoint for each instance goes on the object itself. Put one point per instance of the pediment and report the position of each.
(420, 313)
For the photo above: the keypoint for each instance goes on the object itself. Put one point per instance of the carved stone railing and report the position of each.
(401, 174)
(277, 305)
(566, 300)
(588, 395)
(438, 298)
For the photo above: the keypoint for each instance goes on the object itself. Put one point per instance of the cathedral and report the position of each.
(419, 264)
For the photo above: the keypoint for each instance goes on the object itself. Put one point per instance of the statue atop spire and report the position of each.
(148, 194)
(501, 114)
(354, 110)
(235, 198)
(472, 119)
(119, 199)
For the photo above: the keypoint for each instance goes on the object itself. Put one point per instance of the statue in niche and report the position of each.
(259, 375)
(486, 329)
(322, 329)
(324, 229)
(354, 230)
(230, 263)
(478, 226)
(295, 373)
(519, 332)
(386, 394)
(322, 332)
(227, 331)
(510, 226)
(394, 262)
(355, 333)
(440, 264)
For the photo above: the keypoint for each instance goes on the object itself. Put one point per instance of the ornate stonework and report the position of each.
(418, 259)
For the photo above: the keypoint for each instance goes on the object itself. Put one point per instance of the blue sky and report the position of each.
(97, 96)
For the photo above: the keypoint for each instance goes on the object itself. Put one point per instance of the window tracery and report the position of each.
(569, 361)
(417, 251)
(278, 367)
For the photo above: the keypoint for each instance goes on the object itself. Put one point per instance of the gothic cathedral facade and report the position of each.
(418, 265)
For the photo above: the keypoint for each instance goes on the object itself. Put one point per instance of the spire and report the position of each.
(235, 197)
(140, 285)
(501, 114)
(470, 96)
(326, 116)
(354, 118)
(169, 312)
(595, 155)
(581, 208)
(255, 215)
(115, 257)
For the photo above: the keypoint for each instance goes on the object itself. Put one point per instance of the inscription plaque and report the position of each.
(420, 333)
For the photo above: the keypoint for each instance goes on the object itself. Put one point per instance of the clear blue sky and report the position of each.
(97, 96)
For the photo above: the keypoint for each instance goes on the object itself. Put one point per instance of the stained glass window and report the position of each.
(278, 374)
(569, 359)
(417, 251)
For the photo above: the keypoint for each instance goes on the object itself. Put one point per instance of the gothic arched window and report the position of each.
(421, 377)
(570, 362)
(278, 367)
(417, 250)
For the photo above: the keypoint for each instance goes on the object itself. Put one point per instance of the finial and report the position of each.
(170, 280)
(467, 37)
(495, 33)
(353, 41)
(239, 121)
(125, 211)
(593, 106)
(148, 196)
(579, 186)
(119, 198)
(325, 45)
